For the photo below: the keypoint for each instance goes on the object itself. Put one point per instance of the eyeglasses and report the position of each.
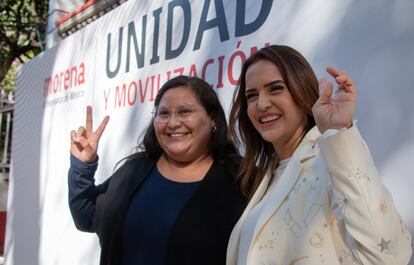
(182, 114)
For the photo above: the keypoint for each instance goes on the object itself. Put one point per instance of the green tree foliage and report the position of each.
(22, 27)
(9, 81)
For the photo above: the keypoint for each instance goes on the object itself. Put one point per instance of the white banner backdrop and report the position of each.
(117, 64)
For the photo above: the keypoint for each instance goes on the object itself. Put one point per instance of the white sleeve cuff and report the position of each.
(331, 132)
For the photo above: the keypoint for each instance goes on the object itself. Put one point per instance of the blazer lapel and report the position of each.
(287, 181)
(234, 241)
(277, 194)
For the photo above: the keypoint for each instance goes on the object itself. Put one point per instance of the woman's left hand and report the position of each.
(335, 111)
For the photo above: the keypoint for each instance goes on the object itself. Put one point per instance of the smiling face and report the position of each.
(271, 109)
(182, 126)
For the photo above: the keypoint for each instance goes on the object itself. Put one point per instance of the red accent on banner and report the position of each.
(3, 216)
(77, 11)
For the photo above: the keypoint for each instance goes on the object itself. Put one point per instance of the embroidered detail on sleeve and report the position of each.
(385, 245)
(342, 205)
(388, 247)
(358, 174)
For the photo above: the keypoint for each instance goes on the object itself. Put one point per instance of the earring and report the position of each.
(214, 128)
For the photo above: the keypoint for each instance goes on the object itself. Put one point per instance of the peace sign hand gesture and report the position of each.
(84, 142)
(335, 112)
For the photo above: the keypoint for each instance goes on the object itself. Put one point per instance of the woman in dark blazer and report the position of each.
(176, 201)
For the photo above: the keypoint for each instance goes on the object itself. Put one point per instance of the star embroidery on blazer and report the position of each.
(385, 245)
(388, 247)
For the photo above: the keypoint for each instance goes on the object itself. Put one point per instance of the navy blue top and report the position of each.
(150, 218)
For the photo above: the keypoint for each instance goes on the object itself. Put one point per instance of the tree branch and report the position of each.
(19, 22)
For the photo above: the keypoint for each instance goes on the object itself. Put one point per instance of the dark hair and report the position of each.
(221, 146)
(303, 87)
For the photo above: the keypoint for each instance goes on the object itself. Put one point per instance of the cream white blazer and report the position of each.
(328, 207)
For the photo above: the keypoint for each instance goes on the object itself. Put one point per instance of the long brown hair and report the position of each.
(303, 87)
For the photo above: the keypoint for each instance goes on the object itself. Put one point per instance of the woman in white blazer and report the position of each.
(315, 194)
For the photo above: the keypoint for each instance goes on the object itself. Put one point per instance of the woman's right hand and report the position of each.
(84, 142)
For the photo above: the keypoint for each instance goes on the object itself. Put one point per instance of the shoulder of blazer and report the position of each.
(112, 205)
(218, 184)
(226, 184)
(218, 178)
